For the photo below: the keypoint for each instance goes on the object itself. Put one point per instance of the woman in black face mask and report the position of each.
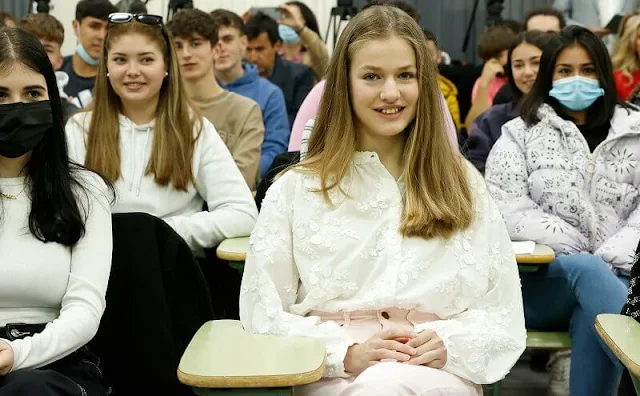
(55, 236)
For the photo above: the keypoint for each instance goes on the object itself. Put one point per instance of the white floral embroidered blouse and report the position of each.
(307, 255)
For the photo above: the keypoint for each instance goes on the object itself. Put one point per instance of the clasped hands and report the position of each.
(407, 347)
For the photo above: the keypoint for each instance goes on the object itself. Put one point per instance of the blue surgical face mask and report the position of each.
(85, 56)
(288, 35)
(576, 93)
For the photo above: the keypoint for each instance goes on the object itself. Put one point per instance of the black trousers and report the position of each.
(75, 375)
(224, 286)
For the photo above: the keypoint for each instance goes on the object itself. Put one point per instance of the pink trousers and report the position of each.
(387, 378)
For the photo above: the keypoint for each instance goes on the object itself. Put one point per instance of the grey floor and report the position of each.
(522, 381)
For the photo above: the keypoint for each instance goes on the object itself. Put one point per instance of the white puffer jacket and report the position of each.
(551, 189)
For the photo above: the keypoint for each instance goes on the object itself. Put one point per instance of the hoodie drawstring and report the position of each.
(132, 141)
(144, 155)
(135, 172)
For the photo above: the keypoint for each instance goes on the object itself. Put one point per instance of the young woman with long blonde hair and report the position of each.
(141, 133)
(384, 243)
(626, 60)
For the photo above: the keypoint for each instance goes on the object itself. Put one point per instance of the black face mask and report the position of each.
(22, 126)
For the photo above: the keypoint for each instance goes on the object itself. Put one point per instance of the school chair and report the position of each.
(223, 359)
(234, 252)
(622, 335)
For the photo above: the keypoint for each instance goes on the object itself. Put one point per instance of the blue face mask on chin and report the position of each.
(85, 56)
(288, 35)
(576, 93)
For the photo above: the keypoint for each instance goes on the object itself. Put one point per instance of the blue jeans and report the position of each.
(568, 295)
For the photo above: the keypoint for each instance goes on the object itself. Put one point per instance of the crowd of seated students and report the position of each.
(373, 234)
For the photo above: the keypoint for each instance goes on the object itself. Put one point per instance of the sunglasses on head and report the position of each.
(125, 17)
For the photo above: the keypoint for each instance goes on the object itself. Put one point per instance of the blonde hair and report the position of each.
(437, 200)
(622, 28)
(626, 57)
(173, 139)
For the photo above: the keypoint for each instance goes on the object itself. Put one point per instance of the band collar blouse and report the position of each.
(307, 255)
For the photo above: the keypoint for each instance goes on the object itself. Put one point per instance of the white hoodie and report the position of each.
(218, 182)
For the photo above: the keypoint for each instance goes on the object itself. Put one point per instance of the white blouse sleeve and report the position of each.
(270, 280)
(232, 209)
(485, 340)
(84, 300)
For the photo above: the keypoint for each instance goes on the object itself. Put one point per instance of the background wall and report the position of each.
(448, 19)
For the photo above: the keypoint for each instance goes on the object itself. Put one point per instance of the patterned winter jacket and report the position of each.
(551, 189)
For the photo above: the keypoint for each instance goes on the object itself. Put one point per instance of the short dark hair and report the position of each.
(404, 5)
(188, 21)
(261, 23)
(44, 27)
(308, 15)
(545, 11)
(602, 109)
(515, 26)
(226, 18)
(138, 7)
(99, 9)
(495, 40)
(533, 37)
(428, 34)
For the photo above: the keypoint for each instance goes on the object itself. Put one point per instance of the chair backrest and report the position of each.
(157, 299)
(280, 163)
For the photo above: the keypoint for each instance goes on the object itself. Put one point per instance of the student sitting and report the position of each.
(301, 42)
(309, 107)
(50, 32)
(243, 78)
(564, 174)
(493, 47)
(384, 243)
(294, 79)
(55, 236)
(89, 26)
(523, 61)
(164, 159)
(237, 119)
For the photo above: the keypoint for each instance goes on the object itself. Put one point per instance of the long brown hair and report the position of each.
(173, 138)
(437, 200)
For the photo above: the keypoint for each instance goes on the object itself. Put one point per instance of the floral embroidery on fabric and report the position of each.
(308, 256)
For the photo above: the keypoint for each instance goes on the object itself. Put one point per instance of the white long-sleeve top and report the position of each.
(61, 286)
(306, 255)
(232, 210)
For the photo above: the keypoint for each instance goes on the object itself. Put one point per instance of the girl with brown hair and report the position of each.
(384, 243)
(142, 134)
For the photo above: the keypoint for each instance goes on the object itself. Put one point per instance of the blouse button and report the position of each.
(385, 315)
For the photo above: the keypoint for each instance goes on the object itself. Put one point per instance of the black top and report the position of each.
(504, 95)
(78, 88)
(595, 134)
(295, 81)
